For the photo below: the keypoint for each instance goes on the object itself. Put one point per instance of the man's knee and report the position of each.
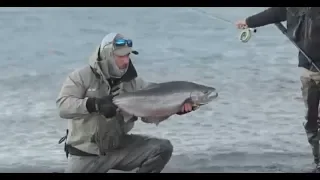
(160, 152)
(163, 147)
(166, 148)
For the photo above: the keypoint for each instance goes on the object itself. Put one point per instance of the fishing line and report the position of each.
(244, 35)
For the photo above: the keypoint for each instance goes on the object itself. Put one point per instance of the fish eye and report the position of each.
(205, 91)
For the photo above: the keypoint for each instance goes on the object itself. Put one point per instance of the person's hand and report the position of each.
(106, 106)
(186, 108)
(241, 24)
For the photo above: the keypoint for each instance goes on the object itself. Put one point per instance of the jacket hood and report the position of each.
(102, 59)
(94, 64)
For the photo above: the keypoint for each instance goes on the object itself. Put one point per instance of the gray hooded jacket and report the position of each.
(92, 132)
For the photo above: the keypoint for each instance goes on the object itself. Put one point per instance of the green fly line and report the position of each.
(244, 35)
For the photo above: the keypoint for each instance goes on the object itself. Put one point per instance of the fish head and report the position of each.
(202, 95)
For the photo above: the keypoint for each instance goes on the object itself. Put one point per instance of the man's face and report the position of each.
(122, 61)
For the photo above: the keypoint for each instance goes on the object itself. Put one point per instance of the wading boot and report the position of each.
(313, 140)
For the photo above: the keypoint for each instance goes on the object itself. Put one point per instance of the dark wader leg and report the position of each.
(147, 154)
(311, 96)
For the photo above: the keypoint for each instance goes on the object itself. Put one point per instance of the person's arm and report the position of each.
(72, 102)
(268, 16)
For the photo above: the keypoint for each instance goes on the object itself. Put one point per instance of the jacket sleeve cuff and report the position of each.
(249, 23)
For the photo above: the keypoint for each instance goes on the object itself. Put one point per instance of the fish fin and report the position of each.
(154, 120)
(150, 86)
(188, 100)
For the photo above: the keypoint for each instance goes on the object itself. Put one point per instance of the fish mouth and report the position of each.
(215, 95)
(208, 97)
(211, 96)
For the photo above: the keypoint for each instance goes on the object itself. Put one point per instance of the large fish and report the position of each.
(159, 101)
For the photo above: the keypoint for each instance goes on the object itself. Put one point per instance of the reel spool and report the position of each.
(246, 34)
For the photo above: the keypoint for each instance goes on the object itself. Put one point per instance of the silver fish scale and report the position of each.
(162, 89)
(158, 100)
(152, 105)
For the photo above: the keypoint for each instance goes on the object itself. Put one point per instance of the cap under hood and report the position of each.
(102, 59)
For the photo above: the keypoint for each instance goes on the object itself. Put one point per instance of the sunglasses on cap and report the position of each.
(119, 42)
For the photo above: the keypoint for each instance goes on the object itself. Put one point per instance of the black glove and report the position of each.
(102, 105)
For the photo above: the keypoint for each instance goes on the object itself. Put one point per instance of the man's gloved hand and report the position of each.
(102, 105)
(106, 107)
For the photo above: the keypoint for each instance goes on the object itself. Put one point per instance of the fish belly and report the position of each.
(148, 106)
(154, 120)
